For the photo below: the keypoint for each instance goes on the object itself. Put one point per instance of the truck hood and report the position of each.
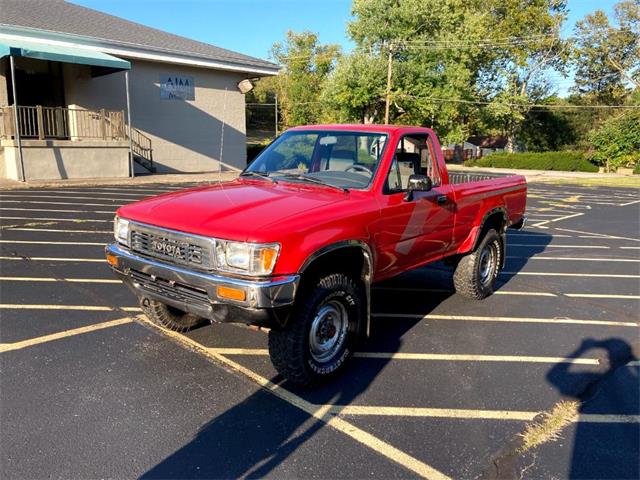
(232, 210)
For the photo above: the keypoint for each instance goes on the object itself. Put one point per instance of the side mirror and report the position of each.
(417, 183)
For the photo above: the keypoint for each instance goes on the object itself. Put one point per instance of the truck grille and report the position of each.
(174, 247)
(172, 290)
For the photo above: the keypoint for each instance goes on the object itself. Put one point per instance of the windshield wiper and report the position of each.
(258, 174)
(307, 178)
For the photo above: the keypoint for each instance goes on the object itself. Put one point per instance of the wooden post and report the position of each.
(40, 122)
(103, 123)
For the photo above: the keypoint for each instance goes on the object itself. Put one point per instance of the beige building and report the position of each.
(79, 74)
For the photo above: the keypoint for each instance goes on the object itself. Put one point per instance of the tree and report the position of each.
(354, 91)
(305, 66)
(607, 56)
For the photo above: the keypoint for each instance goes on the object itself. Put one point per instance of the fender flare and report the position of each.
(364, 325)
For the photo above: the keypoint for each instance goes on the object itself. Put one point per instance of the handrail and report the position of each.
(62, 123)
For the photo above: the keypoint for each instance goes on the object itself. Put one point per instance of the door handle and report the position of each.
(442, 199)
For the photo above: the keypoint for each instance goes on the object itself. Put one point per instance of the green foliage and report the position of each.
(636, 170)
(306, 65)
(606, 54)
(617, 142)
(568, 161)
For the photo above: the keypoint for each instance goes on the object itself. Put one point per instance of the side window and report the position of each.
(414, 155)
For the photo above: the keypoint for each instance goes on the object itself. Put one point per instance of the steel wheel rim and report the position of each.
(328, 331)
(487, 264)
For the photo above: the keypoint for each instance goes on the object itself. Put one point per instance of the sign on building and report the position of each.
(177, 87)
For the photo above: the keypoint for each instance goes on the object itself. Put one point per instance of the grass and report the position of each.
(626, 182)
(550, 426)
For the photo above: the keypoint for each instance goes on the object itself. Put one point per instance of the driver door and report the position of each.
(419, 229)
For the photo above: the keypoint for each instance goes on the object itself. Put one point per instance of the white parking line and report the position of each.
(55, 280)
(447, 357)
(579, 259)
(84, 192)
(629, 203)
(23, 209)
(554, 246)
(444, 290)
(63, 203)
(55, 259)
(477, 318)
(515, 233)
(89, 308)
(601, 235)
(77, 220)
(630, 248)
(32, 197)
(426, 412)
(556, 274)
(53, 230)
(42, 242)
(566, 217)
(601, 295)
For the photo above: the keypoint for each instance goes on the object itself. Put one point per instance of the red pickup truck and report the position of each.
(295, 242)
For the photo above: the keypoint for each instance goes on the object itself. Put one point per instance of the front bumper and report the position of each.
(197, 292)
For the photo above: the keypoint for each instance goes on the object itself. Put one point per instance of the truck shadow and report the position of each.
(603, 449)
(253, 438)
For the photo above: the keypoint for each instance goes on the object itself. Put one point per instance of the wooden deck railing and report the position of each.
(62, 123)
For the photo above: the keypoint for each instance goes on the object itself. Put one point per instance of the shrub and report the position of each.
(617, 141)
(636, 171)
(568, 161)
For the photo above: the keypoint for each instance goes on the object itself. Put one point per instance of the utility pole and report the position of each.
(389, 70)
(276, 111)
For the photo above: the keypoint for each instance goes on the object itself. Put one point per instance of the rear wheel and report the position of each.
(170, 317)
(318, 339)
(476, 273)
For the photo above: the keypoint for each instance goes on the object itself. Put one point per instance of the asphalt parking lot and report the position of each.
(444, 388)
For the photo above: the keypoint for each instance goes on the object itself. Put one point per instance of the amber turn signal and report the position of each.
(231, 293)
(112, 260)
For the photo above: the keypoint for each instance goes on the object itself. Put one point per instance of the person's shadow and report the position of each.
(600, 449)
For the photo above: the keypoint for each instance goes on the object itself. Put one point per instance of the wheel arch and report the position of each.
(338, 257)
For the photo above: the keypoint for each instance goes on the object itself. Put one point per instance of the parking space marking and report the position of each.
(556, 274)
(54, 259)
(52, 279)
(479, 318)
(579, 259)
(320, 412)
(444, 290)
(629, 203)
(566, 217)
(73, 192)
(75, 220)
(554, 246)
(89, 308)
(601, 235)
(630, 248)
(600, 295)
(446, 357)
(23, 209)
(8, 347)
(426, 412)
(63, 203)
(516, 234)
(53, 230)
(4, 195)
(41, 242)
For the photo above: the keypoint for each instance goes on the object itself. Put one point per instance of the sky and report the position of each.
(252, 26)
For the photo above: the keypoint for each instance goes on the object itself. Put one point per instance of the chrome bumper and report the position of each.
(196, 292)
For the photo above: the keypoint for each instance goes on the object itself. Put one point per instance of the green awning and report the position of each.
(55, 53)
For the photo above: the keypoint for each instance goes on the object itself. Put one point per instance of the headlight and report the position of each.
(121, 230)
(249, 258)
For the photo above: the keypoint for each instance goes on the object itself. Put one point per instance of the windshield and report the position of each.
(341, 159)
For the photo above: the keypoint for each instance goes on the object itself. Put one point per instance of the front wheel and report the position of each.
(476, 273)
(318, 339)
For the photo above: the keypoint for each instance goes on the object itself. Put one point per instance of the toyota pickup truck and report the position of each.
(295, 242)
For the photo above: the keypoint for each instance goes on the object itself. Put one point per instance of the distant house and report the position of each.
(474, 147)
(76, 73)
